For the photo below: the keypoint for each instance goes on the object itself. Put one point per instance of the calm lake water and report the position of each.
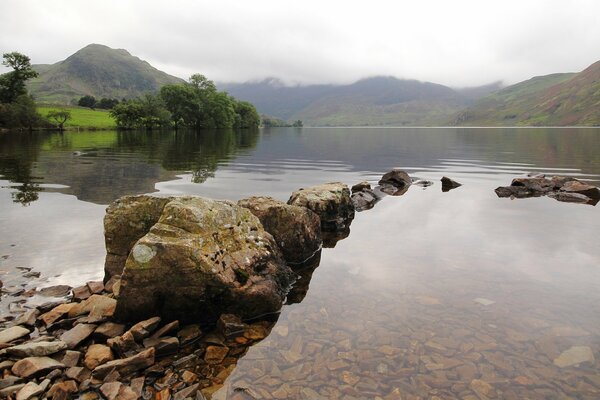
(456, 295)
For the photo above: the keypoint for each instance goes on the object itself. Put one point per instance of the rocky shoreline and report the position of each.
(190, 284)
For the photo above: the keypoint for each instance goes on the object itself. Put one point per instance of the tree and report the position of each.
(21, 113)
(106, 104)
(12, 84)
(297, 124)
(182, 103)
(148, 112)
(247, 116)
(87, 101)
(60, 117)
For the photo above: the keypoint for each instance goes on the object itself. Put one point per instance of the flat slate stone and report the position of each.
(36, 349)
(13, 333)
(77, 334)
(34, 365)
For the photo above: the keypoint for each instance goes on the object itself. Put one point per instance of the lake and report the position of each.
(457, 294)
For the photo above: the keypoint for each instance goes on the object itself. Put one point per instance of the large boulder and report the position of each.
(330, 201)
(126, 221)
(201, 259)
(297, 230)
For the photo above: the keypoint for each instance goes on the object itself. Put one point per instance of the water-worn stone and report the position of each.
(56, 313)
(36, 349)
(361, 186)
(330, 201)
(364, 199)
(201, 259)
(561, 188)
(230, 325)
(109, 330)
(171, 326)
(95, 304)
(71, 358)
(97, 354)
(13, 333)
(127, 365)
(62, 390)
(77, 334)
(126, 221)
(449, 184)
(31, 366)
(31, 389)
(189, 333)
(117, 391)
(575, 355)
(55, 291)
(81, 293)
(215, 354)
(297, 230)
(163, 345)
(143, 329)
(396, 177)
(28, 318)
(122, 344)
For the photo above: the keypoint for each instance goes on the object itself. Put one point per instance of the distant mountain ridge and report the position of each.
(552, 100)
(99, 71)
(380, 100)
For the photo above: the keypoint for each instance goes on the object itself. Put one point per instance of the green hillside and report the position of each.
(83, 117)
(98, 71)
(551, 100)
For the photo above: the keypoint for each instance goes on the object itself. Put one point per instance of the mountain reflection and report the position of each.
(99, 167)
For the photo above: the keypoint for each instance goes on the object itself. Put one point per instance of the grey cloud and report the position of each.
(464, 42)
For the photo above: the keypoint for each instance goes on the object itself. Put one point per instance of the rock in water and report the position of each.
(330, 201)
(396, 177)
(126, 221)
(449, 184)
(297, 230)
(575, 355)
(561, 188)
(201, 259)
(364, 199)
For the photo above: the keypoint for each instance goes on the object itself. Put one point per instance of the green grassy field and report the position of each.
(82, 117)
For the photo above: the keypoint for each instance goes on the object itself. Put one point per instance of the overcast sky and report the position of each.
(457, 42)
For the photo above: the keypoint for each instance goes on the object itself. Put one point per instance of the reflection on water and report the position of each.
(455, 295)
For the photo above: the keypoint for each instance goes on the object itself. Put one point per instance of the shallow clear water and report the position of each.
(430, 294)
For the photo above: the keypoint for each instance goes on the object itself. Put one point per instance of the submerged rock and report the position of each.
(297, 230)
(201, 259)
(364, 199)
(126, 221)
(361, 186)
(575, 355)
(330, 201)
(449, 184)
(397, 178)
(561, 188)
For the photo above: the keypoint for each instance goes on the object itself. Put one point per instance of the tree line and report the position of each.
(196, 104)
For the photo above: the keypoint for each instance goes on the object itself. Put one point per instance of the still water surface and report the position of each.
(453, 294)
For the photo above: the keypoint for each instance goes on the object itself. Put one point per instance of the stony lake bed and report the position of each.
(432, 294)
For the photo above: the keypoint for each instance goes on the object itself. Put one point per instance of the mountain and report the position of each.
(550, 100)
(378, 100)
(99, 71)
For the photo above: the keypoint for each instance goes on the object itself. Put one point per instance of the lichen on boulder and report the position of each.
(126, 221)
(297, 230)
(203, 258)
(330, 201)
